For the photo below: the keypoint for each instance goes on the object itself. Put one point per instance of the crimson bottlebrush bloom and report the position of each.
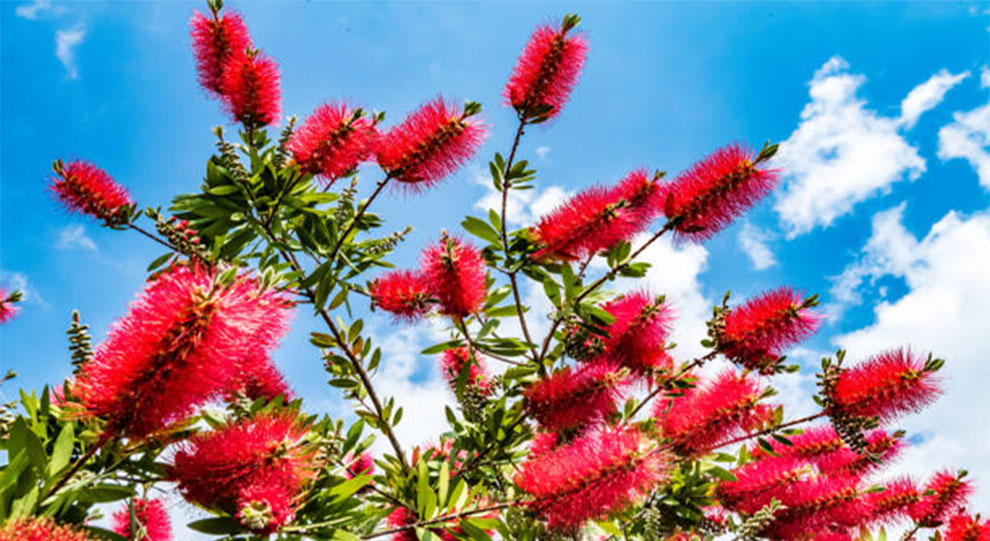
(40, 529)
(452, 363)
(543, 442)
(712, 412)
(215, 41)
(818, 504)
(454, 273)
(944, 494)
(363, 464)
(760, 481)
(180, 345)
(597, 218)
(85, 188)
(333, 141)
(894, 502)
(706, 198)
(570, 399)
(250, 88)
(431, 143)
(637, 338)
(963, 527)
(758, 331)
(398, 518)
(258, 378)
(8, 305)
(151, 521)
(255, 468)
(810, 445)
(886, 385)
(881, 447)
(597, 473)
(402, 293)
(547, 70)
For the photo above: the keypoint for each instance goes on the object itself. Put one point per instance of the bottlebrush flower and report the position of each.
(452, 363)
(402, 293)
(333, 141)
(944, 493)
(881, 447)
(547, 70)
(637, 338)
(812, 444)
(250, 87)
(713, 412)
(258, 378)
(454, 272)
(180, 345)
(85, 188)
(571, 399)
(818, 504)
(888, 384)
(255, 468)
(151, 521)
(431, 143)
(597, 473)
(363, 464)
(760, 481)
(597, 218)
(402, 516)
(756, 332)
(8, 305)
(707, 197)
(543, 442)
(40, 529)
(215, 40)
(894, 502)
(963, 527)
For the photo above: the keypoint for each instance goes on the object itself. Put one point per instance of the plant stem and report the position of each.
(104, 438)
(445, 518)
(357, 216)
(144, 232)
(768, 430)
(695, 363)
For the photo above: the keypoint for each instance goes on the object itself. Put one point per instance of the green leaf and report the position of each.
(480, 229)
(444, 483)
(105, 493)
(348, 488)
(159, 261)
(216, 526)
(63, 449)
(223, 189)
(443, 346)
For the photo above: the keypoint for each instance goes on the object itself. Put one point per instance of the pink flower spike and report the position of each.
(8, 305)
(963, 527)
(944, 494)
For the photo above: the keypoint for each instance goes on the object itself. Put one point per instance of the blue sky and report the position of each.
(882, 108)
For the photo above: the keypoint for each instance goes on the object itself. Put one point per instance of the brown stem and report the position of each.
(693, 364)
(104, 438)
(144, 232)
(766, 431)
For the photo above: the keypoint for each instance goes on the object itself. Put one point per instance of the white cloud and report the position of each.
(927, 95)
(753, 241)
(74, 236)
(66, 42)
(944, 311)
(985, 77)
(968, 137)
(542, 152)
(31, 11)
(841, 154)
(18, 281)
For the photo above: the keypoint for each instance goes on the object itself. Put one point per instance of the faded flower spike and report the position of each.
(85, 188)
(547, 70)
(706, 198)
(333, 141)
(431, 143)
(215, 41)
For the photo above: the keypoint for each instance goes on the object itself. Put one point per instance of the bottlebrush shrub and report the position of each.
(586, 422)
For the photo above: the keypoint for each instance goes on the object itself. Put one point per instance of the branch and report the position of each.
(767, 431)
(693, 364)
(357, 216)
(104, 438)
(444, 518)
(141, 230)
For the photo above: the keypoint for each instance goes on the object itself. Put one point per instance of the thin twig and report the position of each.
(357, 216)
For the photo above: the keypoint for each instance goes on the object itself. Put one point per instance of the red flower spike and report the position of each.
(885, 386)
(215, 40)
(881, 448)
(333, 141)
(760, 481)
(180, 345)
(251, 90)
(757, 332)
(571, 399)
(818, 504)
(637, 338)
(363, 464)
(259, 378)
(8, 305)
(944, 493)
(431, 143)
(40, 529)
(706, 198)
(709, 414)
(895, 502)
(547, 70)
(402, 293)
(452, 363)
(597, 219)
(402, 517)
(454, 273)
(85, 188)
(151, 521)
(963, 527)
(597, 473)
(543, 442)
(255, 468)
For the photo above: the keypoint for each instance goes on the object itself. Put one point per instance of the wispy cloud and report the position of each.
(968, 137)
(66, 42)
(542, 152)
(18, 281)
(33, 9)
(753, 242)
(927, 95)
(73, 236)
